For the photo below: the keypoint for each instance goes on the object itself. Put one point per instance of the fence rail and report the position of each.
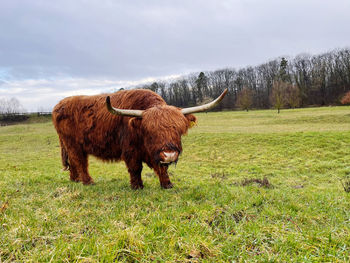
(39, 113)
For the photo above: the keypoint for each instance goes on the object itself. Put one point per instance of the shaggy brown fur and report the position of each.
(85, 127)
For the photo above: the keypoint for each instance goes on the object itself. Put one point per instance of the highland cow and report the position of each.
(139, 128)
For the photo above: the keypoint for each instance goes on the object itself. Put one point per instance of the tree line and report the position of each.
(302, 81)
(305, 80)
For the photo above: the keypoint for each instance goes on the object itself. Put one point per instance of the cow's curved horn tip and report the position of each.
(223, 93)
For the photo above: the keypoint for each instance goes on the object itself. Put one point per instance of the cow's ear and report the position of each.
(192, 120)
(135, 123)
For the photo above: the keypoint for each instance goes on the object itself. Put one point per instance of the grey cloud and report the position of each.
(135, 39)
(125, 41)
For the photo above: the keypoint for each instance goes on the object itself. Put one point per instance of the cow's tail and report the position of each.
(64, 156)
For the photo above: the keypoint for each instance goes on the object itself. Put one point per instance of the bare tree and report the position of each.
(277, 97)
(10, 106)
(245, 99)
(292, 96)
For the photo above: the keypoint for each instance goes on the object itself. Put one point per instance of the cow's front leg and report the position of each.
(135, 169)
(162, 173)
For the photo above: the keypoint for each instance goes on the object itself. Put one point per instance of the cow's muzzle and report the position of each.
(169, 157)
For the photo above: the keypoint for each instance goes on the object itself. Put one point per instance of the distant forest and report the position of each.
(306, 80)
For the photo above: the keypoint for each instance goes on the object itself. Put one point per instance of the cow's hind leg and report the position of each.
(78, 164)
(135, 169)
(135, 177)
(64, 157)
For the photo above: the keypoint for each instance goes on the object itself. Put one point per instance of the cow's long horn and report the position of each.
(122, 112)
(205, 107)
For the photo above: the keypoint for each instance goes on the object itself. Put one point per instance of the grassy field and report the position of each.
(218, 211)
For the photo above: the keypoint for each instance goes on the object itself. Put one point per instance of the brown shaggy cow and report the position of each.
(142, 128)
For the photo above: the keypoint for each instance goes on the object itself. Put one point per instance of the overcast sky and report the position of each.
(53, 49)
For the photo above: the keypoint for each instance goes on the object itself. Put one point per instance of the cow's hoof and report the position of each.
(167, 185)
(75, 180)
(90, 182)
(137, 186)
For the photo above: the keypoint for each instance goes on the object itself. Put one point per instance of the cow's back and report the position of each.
(139, 99)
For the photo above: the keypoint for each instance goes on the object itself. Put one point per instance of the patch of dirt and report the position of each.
(202, 252)
(219, 175)
(238, 216)
(59, 192)
(298, 186)
(112, 198)
(262, 183)
(188, 216)
(87, 230)
(195, 254)
(346, 184)
(217, 220)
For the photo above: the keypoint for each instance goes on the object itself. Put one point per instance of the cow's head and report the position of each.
(162, 127)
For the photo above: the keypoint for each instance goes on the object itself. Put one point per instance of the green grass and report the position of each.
(208, 217)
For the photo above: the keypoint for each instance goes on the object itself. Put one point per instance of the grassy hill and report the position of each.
(221, 209)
